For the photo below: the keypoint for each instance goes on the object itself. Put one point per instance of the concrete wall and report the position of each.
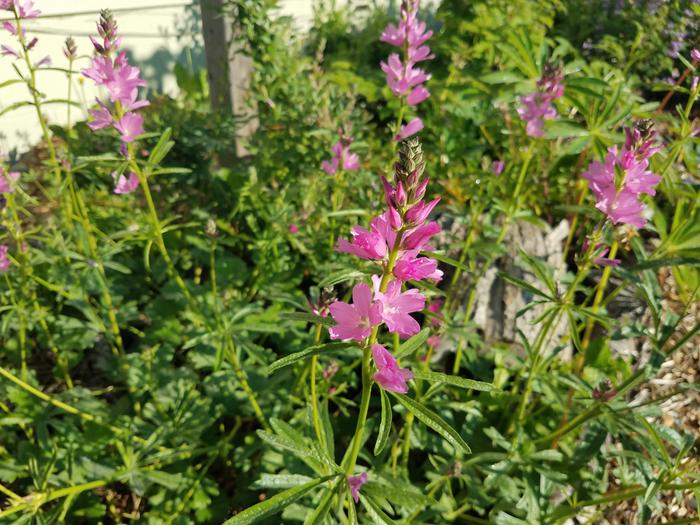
(151, 36)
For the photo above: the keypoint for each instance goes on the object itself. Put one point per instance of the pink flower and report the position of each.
(418, 95)
(396, 307)
(534, 110)
(46, 61)
(7, 51)
(341, 157)
(101, 117)
(695, 55)
(130, 126)
(7, 4)
(434, 341)
(355, 321)
(497, 167)
(5, 262)
(355, 483)
(435, 307)
(27, 9)
(10, 27)
(101, 70)
(390, 376)
(125, 184)
(373, 244)
(412, 268)
(393, 35)
(402, 77)
(293, 228)
(410, 129)
(6, 181)
(418, 238)
(124, 82)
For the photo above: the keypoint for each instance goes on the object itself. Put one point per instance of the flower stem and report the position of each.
(318, 429)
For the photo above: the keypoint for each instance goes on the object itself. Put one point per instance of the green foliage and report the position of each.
(166, 357)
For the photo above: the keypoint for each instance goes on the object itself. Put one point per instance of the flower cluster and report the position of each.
(121, 81)
(618, 182)
(403, 77)
(342, 158)
(537, 107)
(22, 11)
(395, 240)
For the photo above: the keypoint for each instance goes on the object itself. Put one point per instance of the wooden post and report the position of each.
(228, 69)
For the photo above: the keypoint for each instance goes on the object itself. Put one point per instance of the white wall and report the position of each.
(145, 32)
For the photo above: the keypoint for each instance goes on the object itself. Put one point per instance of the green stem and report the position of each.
(243, 380)
(318, 429)
(600, 291)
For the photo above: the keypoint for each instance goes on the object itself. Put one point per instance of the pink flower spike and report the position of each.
(125, 184)
(130, 126)
(410, 129)
(419, 212)
(396, 307)
(355, 483)
(355, 321)
(5, 262)
(365, 244)
(101, 70)
(390, 376)
(695, 55)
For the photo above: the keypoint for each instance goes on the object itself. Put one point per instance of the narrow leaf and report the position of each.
(457, 381)
(312, 350)
(384, 424)
(432, 420)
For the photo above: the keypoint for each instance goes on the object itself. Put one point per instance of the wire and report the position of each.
(64, 32)
(117, 10)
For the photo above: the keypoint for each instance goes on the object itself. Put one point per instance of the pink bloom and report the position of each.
(6, 181)
(410, 129)
(27, 9)
(46, 61)
(124, 83)
(8, 51)
(396, 307)
(7, 4)
(101, 117)
(695, 55)
(5, 262)
(390, 376)
(130, 126)
(534, 110)
(293, 228)
(435, 307)
(341, 157)
(434, 341)
(402, 77)
(412, 268)
(355, 483)
(125, 184)
(622, 208)
(101, 70)
(355, 321)
(418, 238)
(420, 211)
(374, 244)
(497, 167)
(10, 27)
(393, 35)
(418, 95)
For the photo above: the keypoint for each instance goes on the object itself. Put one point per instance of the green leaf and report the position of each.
(280, 481)
(432, 420)
(307, 317)
(377, 515)
(275, 504)
(524, 285)
(461, 382)
(312, 350)
(445, 259)
(413, 344)
(384, 424)
(161, 149)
